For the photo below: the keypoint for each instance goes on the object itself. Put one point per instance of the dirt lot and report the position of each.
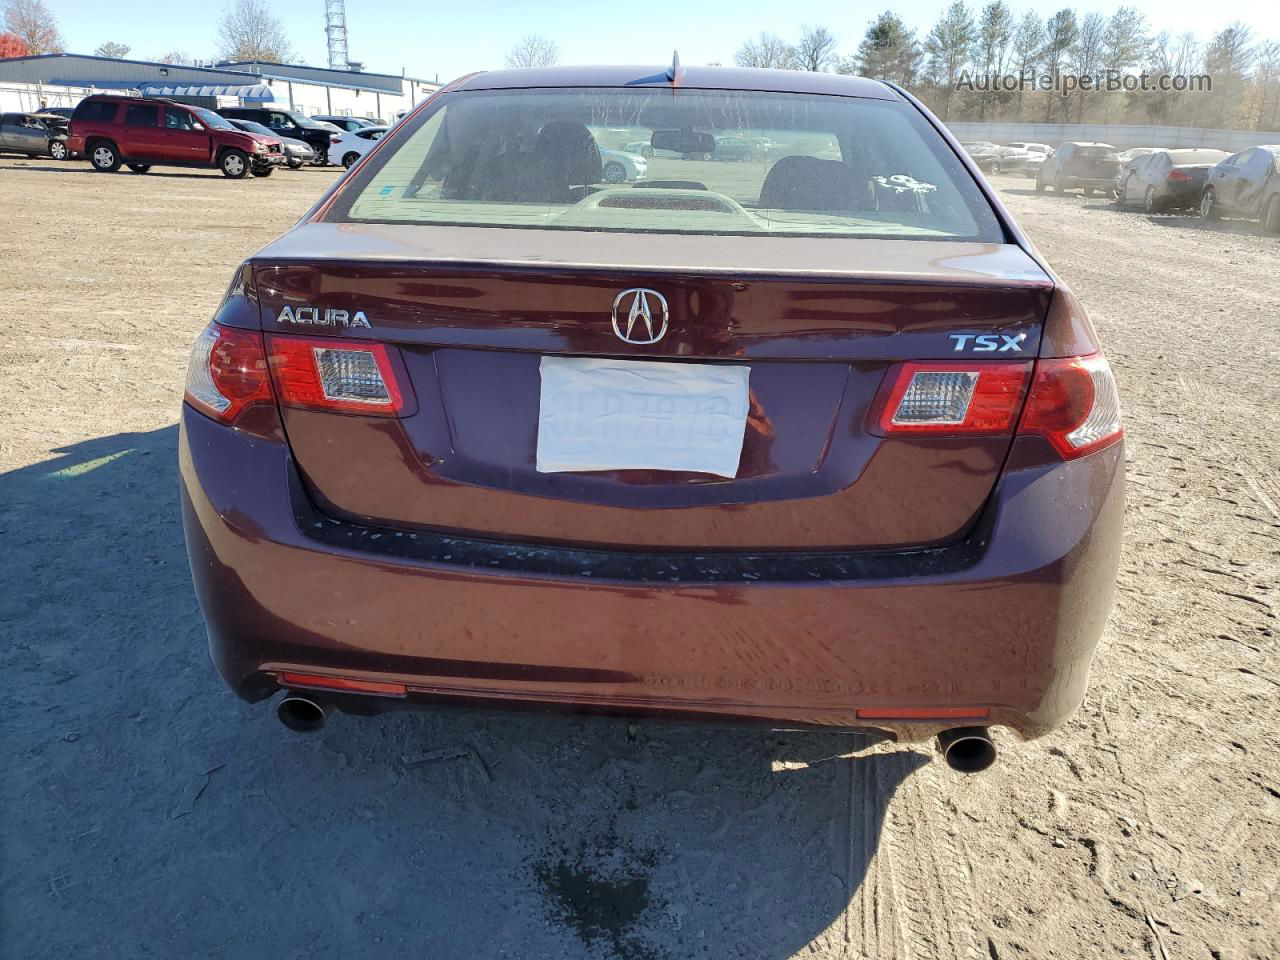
(148, 813)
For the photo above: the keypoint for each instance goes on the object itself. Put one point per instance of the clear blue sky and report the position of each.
(452, 38)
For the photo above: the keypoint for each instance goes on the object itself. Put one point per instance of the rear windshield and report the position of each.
(1097, 153)
(1196, 156)
(648, 161)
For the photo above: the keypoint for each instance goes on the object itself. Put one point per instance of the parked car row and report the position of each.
(1157, 179)
(140, 132)
(1244, 184)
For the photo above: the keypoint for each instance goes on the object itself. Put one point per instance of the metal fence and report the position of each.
(1122, 136)
(27, 97)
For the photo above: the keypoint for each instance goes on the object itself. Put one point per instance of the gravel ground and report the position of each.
(148, 813)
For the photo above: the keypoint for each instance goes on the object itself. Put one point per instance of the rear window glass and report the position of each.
(1097, 153)
(1196, 156)
(724, 162)
(96, 111)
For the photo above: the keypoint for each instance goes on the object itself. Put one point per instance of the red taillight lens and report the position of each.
(338, 375)
(1074, 405)
(1177, 176)
(952, 398)
(227, 373)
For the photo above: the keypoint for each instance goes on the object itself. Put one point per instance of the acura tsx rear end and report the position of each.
(815, 439)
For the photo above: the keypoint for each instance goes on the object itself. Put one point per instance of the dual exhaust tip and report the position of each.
(965, 749)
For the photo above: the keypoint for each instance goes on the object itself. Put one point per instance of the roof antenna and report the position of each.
(675, 72)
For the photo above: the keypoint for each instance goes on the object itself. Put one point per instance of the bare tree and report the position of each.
(816, 51)
(1266, 78)
(34, 24)
(116, 51)
(1085, 57)
(533, 51)
(766, 50)
(176, 57)
(248, 31)
(1169, 57)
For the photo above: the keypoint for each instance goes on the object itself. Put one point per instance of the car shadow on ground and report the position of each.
(147, 811)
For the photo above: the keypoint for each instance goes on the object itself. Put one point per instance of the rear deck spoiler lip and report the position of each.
(975, 281)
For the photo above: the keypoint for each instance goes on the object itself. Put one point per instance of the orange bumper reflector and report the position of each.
(342, 683)
(929, 713)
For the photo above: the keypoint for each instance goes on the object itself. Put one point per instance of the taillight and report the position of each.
(952, 398)
(338, 375)
(1178, 176)
(1074, 405)
(227, 373)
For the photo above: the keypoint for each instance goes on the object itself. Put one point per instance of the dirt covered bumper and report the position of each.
(1004, 621)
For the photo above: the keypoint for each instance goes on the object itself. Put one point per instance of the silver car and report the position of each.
(26, 133)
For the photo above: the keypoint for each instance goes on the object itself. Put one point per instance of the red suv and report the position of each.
(815, 439)
(140, 133)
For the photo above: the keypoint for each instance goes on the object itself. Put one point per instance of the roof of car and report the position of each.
(706, 78)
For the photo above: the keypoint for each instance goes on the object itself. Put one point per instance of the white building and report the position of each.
(63, 79)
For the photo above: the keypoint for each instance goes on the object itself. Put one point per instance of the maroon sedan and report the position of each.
(814, 440)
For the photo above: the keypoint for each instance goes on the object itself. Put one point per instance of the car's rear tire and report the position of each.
(1058, 185)
(1151, 203)
(1209, 207)
(58, 150)
(614, 172)
(138, 167)
(295, 164)
(234, 164)
(348, 159)
(104, 156)
(1271, 216)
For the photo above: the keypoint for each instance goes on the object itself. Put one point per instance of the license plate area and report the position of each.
(604, 414)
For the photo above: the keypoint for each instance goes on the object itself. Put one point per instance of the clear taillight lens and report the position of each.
(953, 398)
(227, 372)
(338, 375)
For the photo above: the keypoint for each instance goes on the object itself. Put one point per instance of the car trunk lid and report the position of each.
(819, 323)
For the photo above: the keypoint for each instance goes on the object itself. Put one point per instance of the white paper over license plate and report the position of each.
(641, 415)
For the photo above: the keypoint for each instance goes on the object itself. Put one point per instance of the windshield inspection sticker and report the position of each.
(641, 415)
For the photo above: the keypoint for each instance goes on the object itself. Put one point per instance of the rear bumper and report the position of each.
(1095, 183)
(1005, 620)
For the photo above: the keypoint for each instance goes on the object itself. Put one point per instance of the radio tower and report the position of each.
(335, 29)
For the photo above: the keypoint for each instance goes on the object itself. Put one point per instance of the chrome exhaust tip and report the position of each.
(300, 714)
(967, 749)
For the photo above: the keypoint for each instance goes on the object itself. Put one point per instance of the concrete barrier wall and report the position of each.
(1122, 136)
